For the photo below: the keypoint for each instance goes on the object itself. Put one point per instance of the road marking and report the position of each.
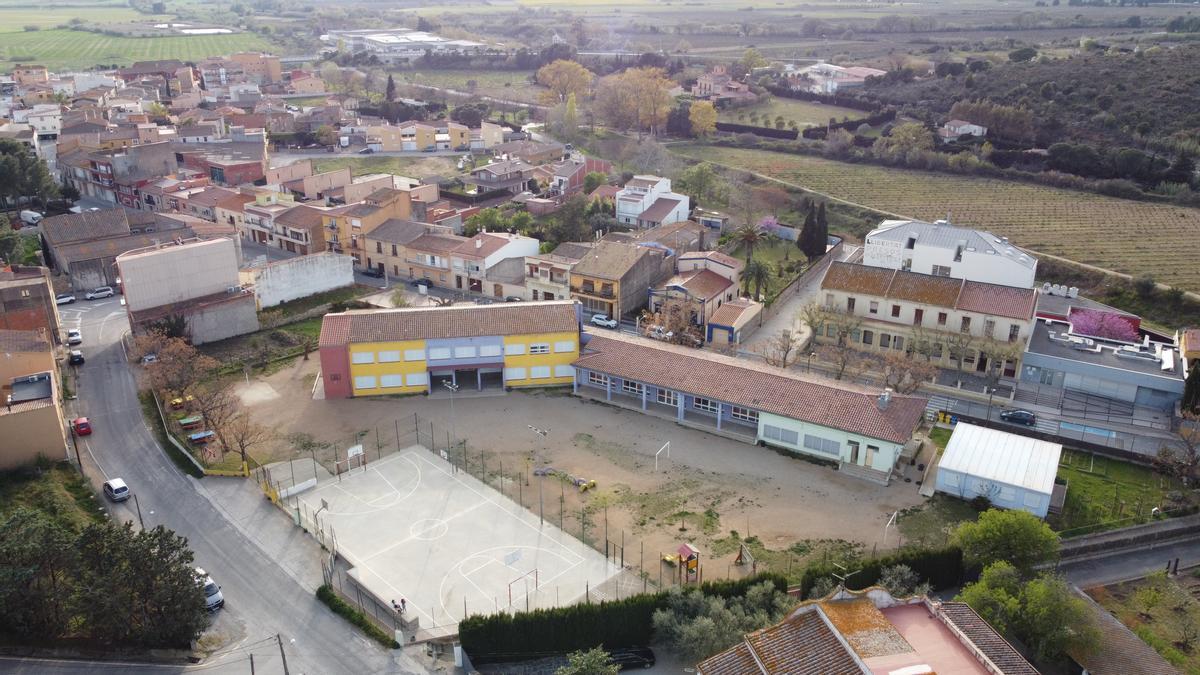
(95, 461)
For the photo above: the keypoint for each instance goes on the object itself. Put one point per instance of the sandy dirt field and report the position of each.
(710, 487)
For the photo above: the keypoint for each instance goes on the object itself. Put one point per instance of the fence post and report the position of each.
(397, 421)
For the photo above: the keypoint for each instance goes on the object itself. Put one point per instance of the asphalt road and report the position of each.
(1131, 564)
(261, 598)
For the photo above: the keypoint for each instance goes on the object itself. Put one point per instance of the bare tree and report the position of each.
(998, 353)
(905, 373)
(179, 367)
(848, 362)
(959, 344)
(783, 350)
(674, 316)
(1183, 460)
(243, 434)
(219, 405)
(814, 316)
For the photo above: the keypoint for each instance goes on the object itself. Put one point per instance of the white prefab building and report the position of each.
(1012, 471)
(943, 250)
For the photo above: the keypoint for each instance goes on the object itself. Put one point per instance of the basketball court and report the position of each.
(414, 528)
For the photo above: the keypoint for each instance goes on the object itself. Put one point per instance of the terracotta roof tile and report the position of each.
(609, 260)
(729, 313)
(803, 644)
(737, 660)
(301, 217)
(23, 341)
(924, 288)
(1120, 650)
(969, 296)
(703, 283)
(442, 244)
(857, 279)
(388, 325)
(724, 380)
(1015, 303)
(987, 640)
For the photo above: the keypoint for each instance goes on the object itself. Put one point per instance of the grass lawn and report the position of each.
(14, 19)
(932, 523)
(1114, 234)
(777, 259)
(413, 167)
(790, 561)
(804, 113)
(1159, 610)
(1107, 493)
(59, 49)
(58, 490)
(940, 437)
(512, 85)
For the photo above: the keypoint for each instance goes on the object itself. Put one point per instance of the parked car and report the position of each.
(31, 217)
(425, 281)
(1019, 417)
(514, 298)
(74, 337)
(149, 358)
(213, 599)
(657, 333)
(64, 298)
(367, 151)
(429, 148)
(116, 490)
(81, 426)
(373, 272)
(632, 657)
(604, 321)
(76, 358)
(101, 292)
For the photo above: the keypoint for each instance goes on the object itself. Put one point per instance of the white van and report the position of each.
(213, 599)
(31, 217)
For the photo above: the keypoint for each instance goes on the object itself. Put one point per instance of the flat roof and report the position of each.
(1052, 339)
(1003, 457)
(31, 388)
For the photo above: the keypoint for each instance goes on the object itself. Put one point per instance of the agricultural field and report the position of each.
(61, 49)
(14, 19)
(804, 113)
(1113, 234)
(1164, 612)
(413, 167)
(511, 85)
(1104, 493)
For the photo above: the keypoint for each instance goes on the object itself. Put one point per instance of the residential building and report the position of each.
(548, 275)
(530, 152)
(429, 255)
(730, 322)
(487, 136)
(718, 85)
(24, 352)
(826, 78)
(703, 282)
(512, 175)
(400, 45)
(84, 246)
(231, 163)
(567, 176)
(259, 68)
(714, 220)
(475, 257)
(318, 186)
(647, 201)
(25, 74)
(951, 321)
(1011, 471)
(1189, 346)
(613, 278)
(31, 420)
(117, 175)
(195, 279)
(349, 225)
(870, 632)
(677, 238)
(386, 245)
(863, 432)
(27, 301)
(202, 203)
(956, 129)
(1110, 367)
(301, 229)
(232, 211)
(304, 82)
(407, 351)
(944, 250)
(259, 217)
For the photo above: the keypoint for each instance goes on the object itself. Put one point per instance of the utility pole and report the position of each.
(453, 387)
(251, 664)
(139, 511)
(282, 655)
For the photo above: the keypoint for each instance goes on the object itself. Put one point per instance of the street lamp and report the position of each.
(541, 501)
(810, 358)
(991, 391)
(453, 433)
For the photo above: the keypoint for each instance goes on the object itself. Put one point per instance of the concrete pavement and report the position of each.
(787, 316)
(266, 569)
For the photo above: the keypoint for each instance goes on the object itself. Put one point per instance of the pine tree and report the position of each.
(391, 88)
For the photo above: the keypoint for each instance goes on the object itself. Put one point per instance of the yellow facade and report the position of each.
(382, 364)
(529, 360)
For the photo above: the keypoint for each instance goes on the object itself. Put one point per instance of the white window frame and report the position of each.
(491, 350)
(390, 381)
(439, 353)
(597, 379)
(467, 352)
(744, 414)
(564, 346)
(822, 446)
(515, 374)
(667, 397)
(631, 387)
(359, 358)
(539, 348)
(414, 354)
(539, 373)
(564, 370)
(365, 382)
(389, 357)
(708, 405)
(416, 379)
(515, 349)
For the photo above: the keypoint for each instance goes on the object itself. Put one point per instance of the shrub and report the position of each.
(939, 567)
(327, 595)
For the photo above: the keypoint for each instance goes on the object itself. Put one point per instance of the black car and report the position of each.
(632, 657)
(422, 282)
(373, 272)
(1019, 417)
(76, 358)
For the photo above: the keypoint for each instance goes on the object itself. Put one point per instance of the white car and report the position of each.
(603, 321)
(658, 333)
(116, 490)
(213, 599)
(74, 337)
(64, 298)
(101, 292)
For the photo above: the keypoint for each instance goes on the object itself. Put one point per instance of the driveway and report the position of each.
(267, 578)
(788, 315)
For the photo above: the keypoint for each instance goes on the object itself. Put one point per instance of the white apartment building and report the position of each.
(647, 201)
(942, 250)
(471, 260)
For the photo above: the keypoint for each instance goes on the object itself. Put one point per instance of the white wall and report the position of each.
(884, 459)
(960, 485)
(177, 273)
(300, 277)
(974, 265)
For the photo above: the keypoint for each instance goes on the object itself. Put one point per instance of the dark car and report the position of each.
(367, 151)
(373, 272)
(422, 282)
(632, 657)
(76, 358)
(1019, 417)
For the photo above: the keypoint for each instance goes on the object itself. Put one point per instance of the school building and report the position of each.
(410, 351)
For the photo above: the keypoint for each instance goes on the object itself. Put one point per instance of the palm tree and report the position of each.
(757, 273)
(748, 235)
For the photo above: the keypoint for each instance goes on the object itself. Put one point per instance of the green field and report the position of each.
(1104, 493)
(804, 113)
(57, 49)
(1114, 234)
(511, 85)
(15, 19)
(413, 167)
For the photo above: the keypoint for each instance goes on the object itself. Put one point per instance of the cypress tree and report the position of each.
(391, 88)
(821, 239)
(808, 234)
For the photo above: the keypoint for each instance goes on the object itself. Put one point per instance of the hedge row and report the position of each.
(327, 595)
(839, 100)
(543, 632)
(786, 134)
(873, 120)
(941, 567)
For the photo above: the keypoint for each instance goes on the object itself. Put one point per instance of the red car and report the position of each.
(81, 426)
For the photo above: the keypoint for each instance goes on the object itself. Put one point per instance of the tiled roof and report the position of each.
(737, 660)
(968, 296)
(729, 313)
(988, 641)
(711, 376)
(23, 341)
(572, 249)
(397, 231)
(605, 192)
(441, 244)
(609, 260)
(803, 644)
(73, 227)
(235, 202)
(210, 197)
(715, 256)
(300, 217)
(390, 325)
(1119, 650)
(489, 244)
(702, 283)
(661, 208)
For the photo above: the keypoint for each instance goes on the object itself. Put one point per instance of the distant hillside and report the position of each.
(1096, 98)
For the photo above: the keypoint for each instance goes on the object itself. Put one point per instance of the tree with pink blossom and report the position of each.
(1104, 325)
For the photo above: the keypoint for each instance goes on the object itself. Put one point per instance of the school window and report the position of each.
(918, 315)
(379, 247)
(439, 353)
(414, 354)
(539, 348)
(822, 445)
(704, 404)
(782, 435)
(898, 343)
(416, 379)
(632, 387)
(598, 379)
(363, 357)
(868, 337)
(969, 358)
(744, 414)
(389, 357)
(564, 371)
(989, 327)
(885, 340)
(1014, 332)
(849, 305)
(564, 346)
(539, 372)
(896, 310)
(966, 325)
(464, 352)
(830, 331)
(668, 397)
(941, 271)
(514, 349)
(364, 382)
(490, 350)
(389, 381)
(829, 301)
(874, 307)
(394, 250)
(942, 318)
(935, 350)
(514, 374)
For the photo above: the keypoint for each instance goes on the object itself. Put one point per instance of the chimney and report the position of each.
(884, 399)
(478, 242)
